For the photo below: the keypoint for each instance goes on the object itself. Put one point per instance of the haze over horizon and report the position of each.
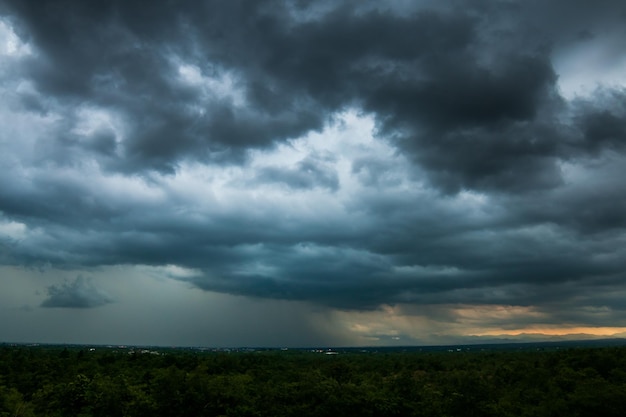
(289, 173)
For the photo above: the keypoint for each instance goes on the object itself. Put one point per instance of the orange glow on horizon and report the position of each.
(557, 331)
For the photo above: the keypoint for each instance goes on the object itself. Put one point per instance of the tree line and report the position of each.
(61, 382)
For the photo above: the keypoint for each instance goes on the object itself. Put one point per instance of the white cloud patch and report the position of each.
(595, 62)
(10, 230)
(10, 44)
(219, 84)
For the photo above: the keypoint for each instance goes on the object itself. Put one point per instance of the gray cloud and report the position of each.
(209, 136)
(308, 173)
(80, 293)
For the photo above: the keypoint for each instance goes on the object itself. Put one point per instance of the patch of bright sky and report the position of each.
(591, 64)
(389, 325)
(348, 137)
(203, 192)
(560, 330)
(15, 233)
(92, 119)
(440, 324)
(12, 231)
(171, 271)
(26, 88)
(10, 44)
(348, 131)
(221, 85)
(476, 315)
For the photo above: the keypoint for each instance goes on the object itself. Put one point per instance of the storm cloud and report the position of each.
(80, 293)
(424, 156)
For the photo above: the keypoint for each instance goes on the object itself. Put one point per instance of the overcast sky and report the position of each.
(293, 173)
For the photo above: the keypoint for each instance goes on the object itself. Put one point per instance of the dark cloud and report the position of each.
(603, 123)
(80, 293)
(145, 127)
(102, 55)
(448, 84)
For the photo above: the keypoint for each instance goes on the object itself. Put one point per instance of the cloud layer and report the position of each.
(350, 155)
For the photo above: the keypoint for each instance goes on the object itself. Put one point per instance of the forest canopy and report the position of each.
(61, 381)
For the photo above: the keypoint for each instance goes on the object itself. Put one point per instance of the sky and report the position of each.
(326, 173)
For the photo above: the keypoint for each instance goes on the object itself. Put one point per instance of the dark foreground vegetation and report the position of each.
(56, 381)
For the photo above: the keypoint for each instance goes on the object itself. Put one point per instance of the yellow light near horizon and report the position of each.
(556, 331)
